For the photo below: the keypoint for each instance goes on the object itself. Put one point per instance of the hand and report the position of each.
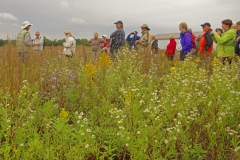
(35, 43)
(137, 41)
(213, 32)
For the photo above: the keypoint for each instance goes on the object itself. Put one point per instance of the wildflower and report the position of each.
(87, 145)
(104, 61)
(127, 144)
(166, 141)
(237, 149)
(172, 69)
(63, 114)
(78, 121)
(215, 60)
(22, 144)
(89, 70)
(82, 134)
(138, 132)
(88, 130)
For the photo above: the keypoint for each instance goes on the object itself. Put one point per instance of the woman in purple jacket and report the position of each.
(186, 41)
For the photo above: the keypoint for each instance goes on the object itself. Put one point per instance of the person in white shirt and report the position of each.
(39, 41)
(69, 45)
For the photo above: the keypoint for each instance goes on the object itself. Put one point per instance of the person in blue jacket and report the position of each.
(131, 38)
(186, 41)
(237, 44)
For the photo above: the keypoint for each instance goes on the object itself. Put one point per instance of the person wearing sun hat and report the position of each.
(144, 44)
(69, 45)
(24, 41)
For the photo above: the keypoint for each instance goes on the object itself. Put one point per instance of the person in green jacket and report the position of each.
(24, 41)
(225, 42)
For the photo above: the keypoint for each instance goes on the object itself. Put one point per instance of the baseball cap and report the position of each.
(206, 24)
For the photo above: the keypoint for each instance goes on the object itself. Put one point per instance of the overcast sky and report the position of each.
(84, 17)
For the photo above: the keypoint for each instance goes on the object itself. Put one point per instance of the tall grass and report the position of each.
(136, 107)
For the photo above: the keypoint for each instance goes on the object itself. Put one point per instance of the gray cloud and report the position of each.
(84, 18)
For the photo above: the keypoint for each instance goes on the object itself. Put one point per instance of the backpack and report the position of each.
(44, 44)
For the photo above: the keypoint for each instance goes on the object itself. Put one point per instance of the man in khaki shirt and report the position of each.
(96, 46)
(144, 44)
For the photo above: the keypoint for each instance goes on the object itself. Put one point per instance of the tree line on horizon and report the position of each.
(49, 42)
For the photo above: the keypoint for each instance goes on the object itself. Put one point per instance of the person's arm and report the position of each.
(27, 39)
(90, 41)
(209, 41)
(113, 35)
(128, 38)
(226, 37)
(68, 44)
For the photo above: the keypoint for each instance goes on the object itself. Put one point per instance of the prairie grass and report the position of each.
(136, 107)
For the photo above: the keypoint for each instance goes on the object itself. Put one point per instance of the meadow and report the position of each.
(138, 107)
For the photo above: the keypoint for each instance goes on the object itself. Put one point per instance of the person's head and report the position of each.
(190, 29)
(95, 35)
(119, 24)
(37, 34)
(68, 33)
(104, 37)
(219, 31)
(183, 27)
(171, 36)
(145, 27)
(234, 25)
(136, 32)
(206, 26)
(199, 36)
(238, 26)
(26, 25)
(226, 24)
(153, 37)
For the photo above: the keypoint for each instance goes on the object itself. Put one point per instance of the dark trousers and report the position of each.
(182, 56)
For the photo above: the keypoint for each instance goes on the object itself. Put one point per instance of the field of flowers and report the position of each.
(138, 107)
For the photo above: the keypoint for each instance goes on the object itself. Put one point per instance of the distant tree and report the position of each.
(2, 42)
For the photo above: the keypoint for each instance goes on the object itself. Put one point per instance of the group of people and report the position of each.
(227, 40)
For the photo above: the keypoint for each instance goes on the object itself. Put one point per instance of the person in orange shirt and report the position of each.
(206, 45)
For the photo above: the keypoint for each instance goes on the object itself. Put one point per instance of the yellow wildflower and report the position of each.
(89, 70)
(104, 61)
(63, 114)
(215, 60)
(172, 69)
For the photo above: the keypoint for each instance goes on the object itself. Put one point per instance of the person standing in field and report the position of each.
(185, 40)
(225, 42)
(144, 44)
(198, 39)
(131, 38)
(117, 39)
(237, 43)
(24, 41)
(154, 46)
(171, 48)
(96, 46)
(193, 50)
(106, 44)
(206, 44)
(40, 41)
(69, 45)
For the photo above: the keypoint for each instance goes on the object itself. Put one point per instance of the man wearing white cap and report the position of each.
(69, 45)
(144, 44)
(24, 41)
